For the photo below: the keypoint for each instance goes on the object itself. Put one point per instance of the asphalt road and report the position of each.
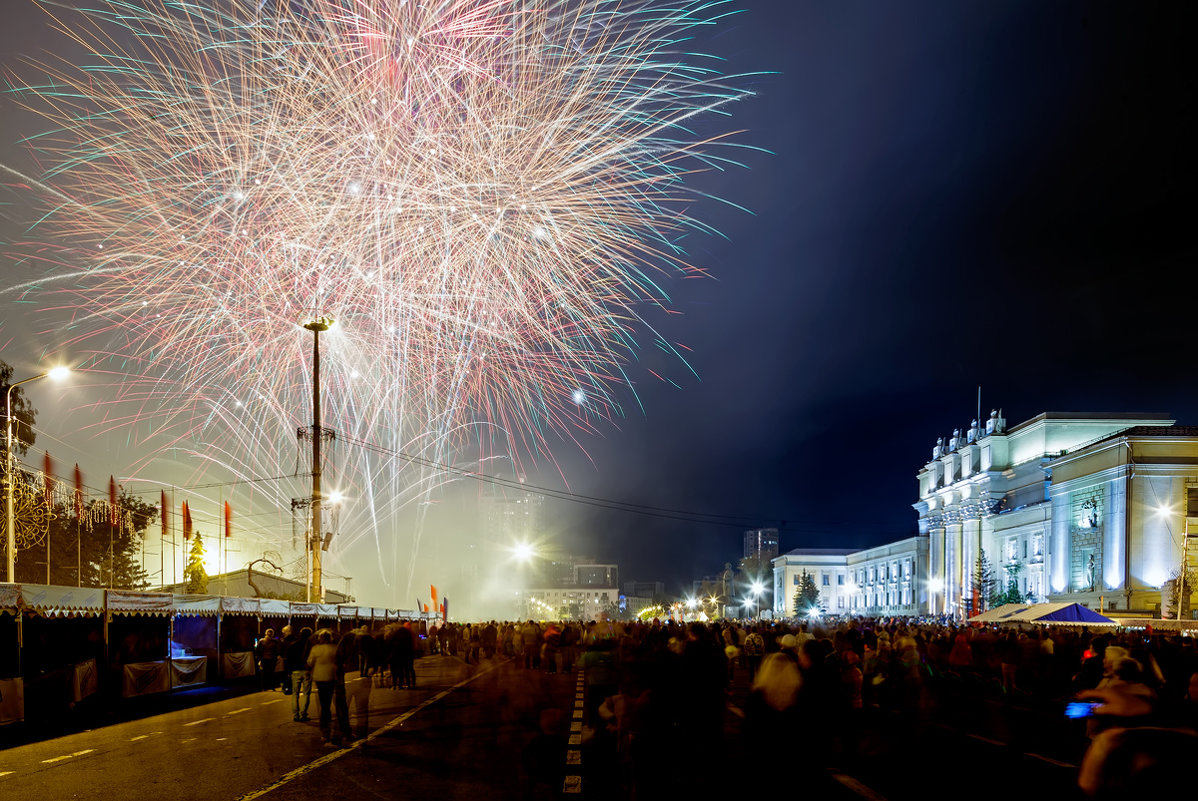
(497, 732)
(461, 733)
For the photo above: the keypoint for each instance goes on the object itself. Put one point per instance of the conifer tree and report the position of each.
(807, 595)
(196, 575)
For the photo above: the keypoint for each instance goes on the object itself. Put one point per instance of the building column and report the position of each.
(954, 584)
(937, 576)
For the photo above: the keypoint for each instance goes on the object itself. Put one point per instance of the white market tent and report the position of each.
(1043, 613)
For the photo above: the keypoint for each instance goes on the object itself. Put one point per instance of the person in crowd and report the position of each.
(402, 657)
(267, 653)
(322, 661)
(295, 666)
(347, 662)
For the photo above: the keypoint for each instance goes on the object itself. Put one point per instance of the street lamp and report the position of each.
(58, 373)
(316, 580)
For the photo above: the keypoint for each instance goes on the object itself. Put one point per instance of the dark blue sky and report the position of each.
(961, 194)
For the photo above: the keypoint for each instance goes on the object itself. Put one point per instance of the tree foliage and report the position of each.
(195, 574)
(90, 550)
(23, 412)
(807, 595)
(1009, 594)
(983, 585)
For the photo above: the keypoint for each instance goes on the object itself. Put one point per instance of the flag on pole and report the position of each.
(112, 499)
(426, 609)
(228, 520)
(78, 492)
(445, 610)
(186, 522)
(48, 475)
(165, 511)
(433, 591)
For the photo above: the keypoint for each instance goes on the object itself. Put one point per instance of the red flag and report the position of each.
(165, 512)
(48, 475)
(228, 520)
(78, 492)
(434, 593)
(186, 522)
(426, 609)
(112, 498)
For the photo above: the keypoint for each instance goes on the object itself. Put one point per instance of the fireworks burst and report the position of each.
(484, 194)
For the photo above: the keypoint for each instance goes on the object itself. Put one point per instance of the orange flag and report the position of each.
(186, 522)
(433, 589)
(78, 492)
(48, 475)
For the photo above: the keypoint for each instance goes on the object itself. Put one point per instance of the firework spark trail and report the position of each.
(483, 194)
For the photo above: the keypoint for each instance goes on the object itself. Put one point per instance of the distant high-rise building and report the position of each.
(511, 516)
(761, 543)
(592, 575)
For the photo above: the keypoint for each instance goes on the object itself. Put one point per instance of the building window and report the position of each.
(1012, 553)
(796, 577)
(1025, 549)
(840, 580)
(1037, 545)
(827, 580)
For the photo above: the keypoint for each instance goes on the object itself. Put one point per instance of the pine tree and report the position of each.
(807, 595)
(983, 584)
(196, 575)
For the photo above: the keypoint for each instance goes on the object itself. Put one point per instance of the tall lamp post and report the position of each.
(315, 586)
(58, 373)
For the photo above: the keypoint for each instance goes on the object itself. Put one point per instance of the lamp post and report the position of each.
(58, 373)
(315, 585)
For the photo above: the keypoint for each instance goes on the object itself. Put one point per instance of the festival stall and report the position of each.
(60, 646)
(139, 634)
(1047, 614)
(238, 633)
(195, 638)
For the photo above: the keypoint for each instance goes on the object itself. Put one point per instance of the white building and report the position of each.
(828, 566)
(988, 489)
(1121, 509)
(1092, 508)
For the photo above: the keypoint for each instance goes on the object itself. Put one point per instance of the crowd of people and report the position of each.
(657, 691)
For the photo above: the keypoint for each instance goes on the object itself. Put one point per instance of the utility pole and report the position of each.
(315, 585)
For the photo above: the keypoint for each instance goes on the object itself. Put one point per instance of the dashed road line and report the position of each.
(238, 711)
(7, 772)
(340, 752)
(198, 722)
(987, 740)
(1050, 760)
(139, 737)
(858, 788)
(67, 756)
(268, 703)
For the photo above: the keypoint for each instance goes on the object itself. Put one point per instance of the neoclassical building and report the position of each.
(1073, 506)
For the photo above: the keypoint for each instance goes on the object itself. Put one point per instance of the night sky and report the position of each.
(957, 194)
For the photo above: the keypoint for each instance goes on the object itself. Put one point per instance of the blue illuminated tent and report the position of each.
(1043, 613)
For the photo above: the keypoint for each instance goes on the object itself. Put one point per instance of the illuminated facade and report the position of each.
(1087, 508)
(1046, 509)
(1119, 516)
